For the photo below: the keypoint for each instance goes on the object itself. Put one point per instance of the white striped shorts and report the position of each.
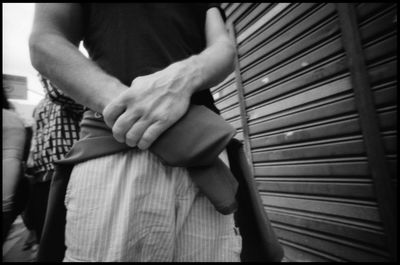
(130, 207)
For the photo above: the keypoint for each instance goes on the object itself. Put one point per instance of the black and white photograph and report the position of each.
(199, 132)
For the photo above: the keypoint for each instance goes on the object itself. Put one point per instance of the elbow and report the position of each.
(34, 50)
(231, 54)
(37, 48)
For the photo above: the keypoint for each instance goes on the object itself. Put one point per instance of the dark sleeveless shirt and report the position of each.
(131, 40)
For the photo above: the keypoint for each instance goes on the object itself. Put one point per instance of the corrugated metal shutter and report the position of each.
(307, 144)
(378, 37)
(378, 24)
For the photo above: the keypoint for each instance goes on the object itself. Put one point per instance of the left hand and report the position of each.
(141, 113)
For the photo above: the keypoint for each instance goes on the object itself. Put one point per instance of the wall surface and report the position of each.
(319, 122)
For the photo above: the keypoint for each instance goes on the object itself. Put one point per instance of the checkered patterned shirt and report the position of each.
(57, 120)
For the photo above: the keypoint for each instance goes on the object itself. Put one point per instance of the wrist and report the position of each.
(192, 70)
(111, 90)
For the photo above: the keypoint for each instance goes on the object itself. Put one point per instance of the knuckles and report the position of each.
(163, 112)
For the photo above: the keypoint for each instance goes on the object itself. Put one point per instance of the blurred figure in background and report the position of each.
(55, 130)
(14, 139)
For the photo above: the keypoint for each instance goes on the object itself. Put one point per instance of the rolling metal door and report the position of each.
(293, 101)
(378, 24)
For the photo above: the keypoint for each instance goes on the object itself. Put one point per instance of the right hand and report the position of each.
(141, 113)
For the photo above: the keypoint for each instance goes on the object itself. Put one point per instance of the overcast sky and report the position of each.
(17, 24)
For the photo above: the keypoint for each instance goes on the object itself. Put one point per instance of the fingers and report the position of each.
(122, 125)
(136, 131)
(132, 128)
(111, 112)
(151, 134)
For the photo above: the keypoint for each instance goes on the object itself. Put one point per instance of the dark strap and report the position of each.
(259, 242)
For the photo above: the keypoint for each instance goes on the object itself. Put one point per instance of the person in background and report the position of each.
(148, 63)
(14, 139)
(55, 130)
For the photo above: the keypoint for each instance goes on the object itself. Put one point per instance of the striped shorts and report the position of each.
(130, 207)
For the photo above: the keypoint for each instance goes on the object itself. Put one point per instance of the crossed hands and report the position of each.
(141, 113)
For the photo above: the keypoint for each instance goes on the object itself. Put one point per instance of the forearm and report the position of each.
(154, 102)
(215, 63)
(208, 68)
(158, 100)
(58, 97)
(61, 62)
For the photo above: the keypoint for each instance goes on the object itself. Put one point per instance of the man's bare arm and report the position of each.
(53, 43)
(154, 102)
(216, 62)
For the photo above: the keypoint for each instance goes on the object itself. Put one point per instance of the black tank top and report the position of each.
(131, 40)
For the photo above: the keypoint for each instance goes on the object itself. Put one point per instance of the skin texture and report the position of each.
(137, 114)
